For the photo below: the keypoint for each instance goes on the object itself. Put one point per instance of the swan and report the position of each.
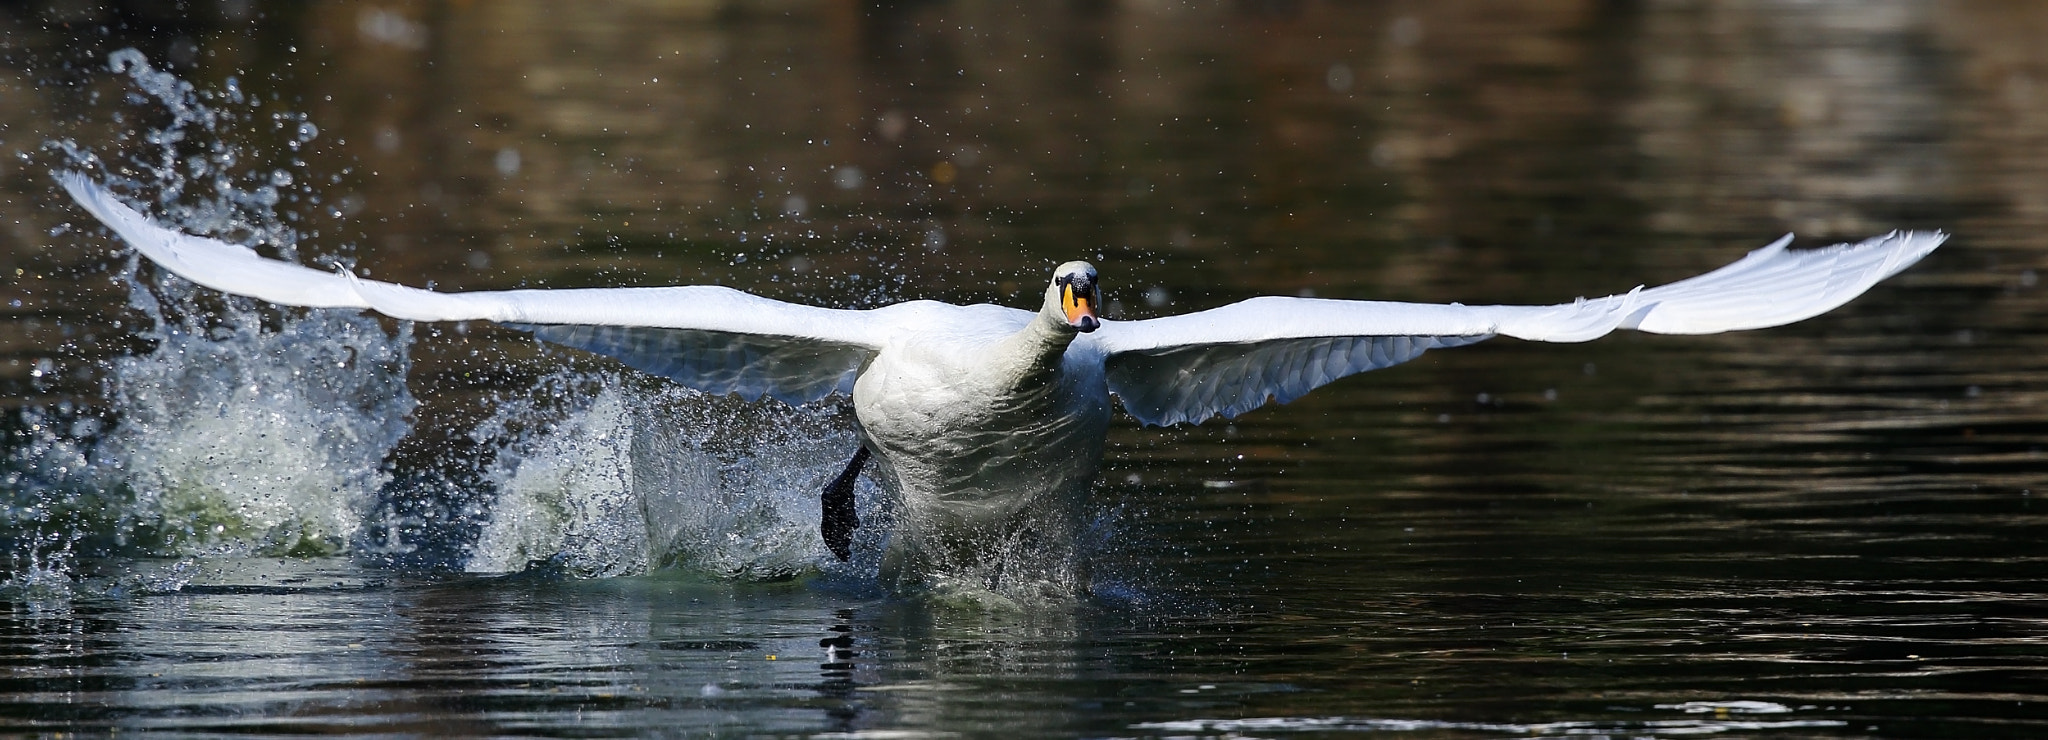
(990, 421)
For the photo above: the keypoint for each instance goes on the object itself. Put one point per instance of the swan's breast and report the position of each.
(968, 442)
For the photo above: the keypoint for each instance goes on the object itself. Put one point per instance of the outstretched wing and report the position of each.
(716, 339)
(1232, 359)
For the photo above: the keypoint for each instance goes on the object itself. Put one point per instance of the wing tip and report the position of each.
(1850, 269)
(96, 199)
(1916, 242)
(1911, 244)
(1899, 248)
(90, 195)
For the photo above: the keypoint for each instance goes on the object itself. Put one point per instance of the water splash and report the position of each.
(632, 474)
(242, 429)
(638, 476)
(51, 501)
(245, 428)
(243, 438)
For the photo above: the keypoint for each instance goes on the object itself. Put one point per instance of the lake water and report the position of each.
(223, 518)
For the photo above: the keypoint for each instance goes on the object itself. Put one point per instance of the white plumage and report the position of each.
(990, 420)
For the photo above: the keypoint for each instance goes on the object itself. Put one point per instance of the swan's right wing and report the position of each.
(708, 337)
(1229, 360)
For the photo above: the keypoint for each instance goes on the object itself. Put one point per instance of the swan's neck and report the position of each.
(1035, 351)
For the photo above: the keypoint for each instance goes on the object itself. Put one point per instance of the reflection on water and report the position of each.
(1819, 530)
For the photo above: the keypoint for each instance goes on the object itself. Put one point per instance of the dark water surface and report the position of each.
(224, 518)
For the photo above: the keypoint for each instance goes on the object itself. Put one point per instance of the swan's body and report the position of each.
(989, 420)
(989, 431)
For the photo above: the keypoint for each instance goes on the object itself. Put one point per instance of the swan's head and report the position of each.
(1073, 296)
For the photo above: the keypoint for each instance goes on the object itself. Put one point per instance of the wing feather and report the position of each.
(1229, 360)
(750, 366)
(706, 336)
(1194, 382)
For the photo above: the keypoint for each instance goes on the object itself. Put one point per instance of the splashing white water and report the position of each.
(245, 429)
(637, 477)
(261, 440)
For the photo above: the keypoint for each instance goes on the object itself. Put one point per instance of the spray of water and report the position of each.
(243, 429)
(269, 441)
(51, 505)
(639, 475)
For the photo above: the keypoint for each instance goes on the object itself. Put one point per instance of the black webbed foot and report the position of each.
(839, 519)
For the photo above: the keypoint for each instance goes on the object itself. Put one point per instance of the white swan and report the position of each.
(990, 420)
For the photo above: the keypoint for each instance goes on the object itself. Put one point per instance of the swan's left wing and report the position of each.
(1229, 360)
(711, 338)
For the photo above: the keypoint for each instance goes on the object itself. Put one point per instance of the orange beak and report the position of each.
(1080, 308)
